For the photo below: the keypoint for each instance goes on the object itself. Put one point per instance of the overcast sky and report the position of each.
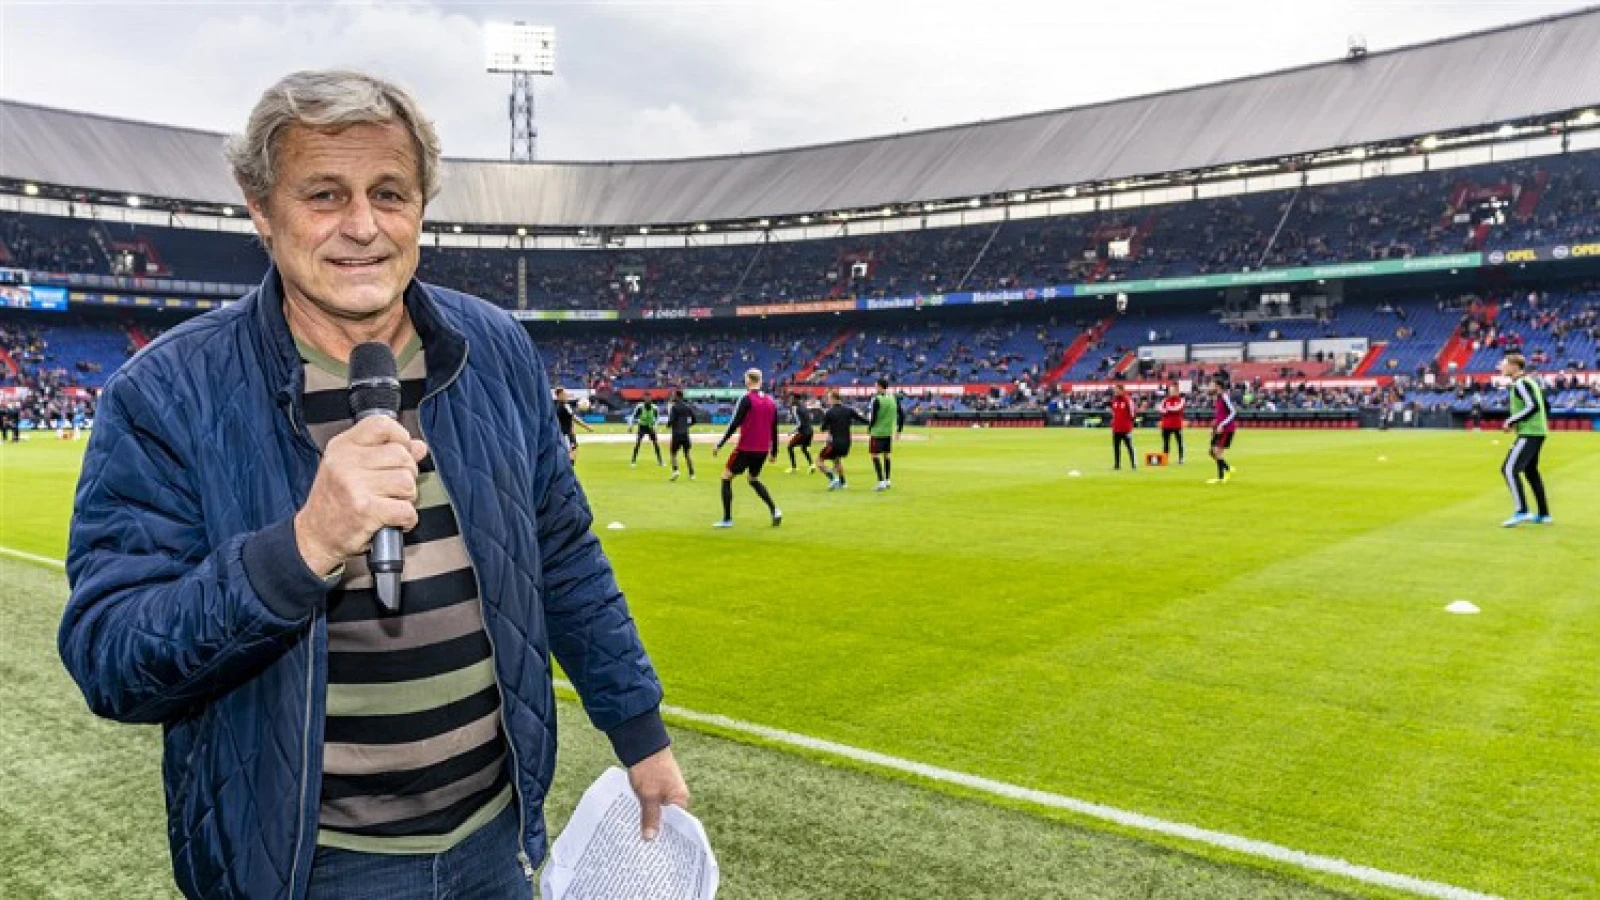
(650, 78)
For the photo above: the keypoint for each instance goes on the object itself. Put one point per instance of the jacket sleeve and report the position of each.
(158, 620)
(592, 634)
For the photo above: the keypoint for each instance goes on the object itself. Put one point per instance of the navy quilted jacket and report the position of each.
(191, 607)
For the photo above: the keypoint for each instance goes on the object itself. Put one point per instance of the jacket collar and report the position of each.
(445, 345)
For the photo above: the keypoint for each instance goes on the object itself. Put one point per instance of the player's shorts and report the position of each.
(800, 439)
(1221, 440)
(831, 450)
(572, 440)
(742, 461)
(680, 442)
(645, 431)
(1166, 430)
(880, 445)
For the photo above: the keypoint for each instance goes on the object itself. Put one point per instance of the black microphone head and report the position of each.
(374, 380)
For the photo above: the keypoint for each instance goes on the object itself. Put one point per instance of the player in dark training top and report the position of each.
(836, 424)
(566, 419)
(680, 418)
(755, 418)
(645, 416)
(1224, 423)
(800, 438)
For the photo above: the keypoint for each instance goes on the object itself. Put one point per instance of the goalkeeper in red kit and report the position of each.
(1122, 427)
(1172, 407)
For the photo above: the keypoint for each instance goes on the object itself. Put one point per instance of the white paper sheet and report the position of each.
(600, 855)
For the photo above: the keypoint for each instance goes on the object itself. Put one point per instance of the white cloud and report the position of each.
(670, 79)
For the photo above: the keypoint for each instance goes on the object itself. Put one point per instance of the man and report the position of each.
(644, 420)
(801, 436)
(1530, 418)
(567, 420)
(836, 422)
(316, 745)
(755, 418)
(888, 418)
(680, 418)
(1122, 427)
(1172, 408)
(1224, 422)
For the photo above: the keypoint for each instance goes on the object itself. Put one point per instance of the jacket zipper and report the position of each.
(505, 724)
(311, 677)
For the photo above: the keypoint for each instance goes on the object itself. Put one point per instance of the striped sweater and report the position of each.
(414, 758)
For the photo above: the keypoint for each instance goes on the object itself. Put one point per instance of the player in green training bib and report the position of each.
(1530, 418)
(886, 420)
(644, 419)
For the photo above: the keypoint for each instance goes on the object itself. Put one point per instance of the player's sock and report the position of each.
(761, 491)
(888, 468)
(1222, 468)
(791, 459)
(877, 466)
(658, 453)
(727, 500)
(807, 452)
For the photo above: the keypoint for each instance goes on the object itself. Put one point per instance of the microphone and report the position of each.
(375, 391)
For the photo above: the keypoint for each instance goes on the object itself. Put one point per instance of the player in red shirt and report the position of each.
(756, 419)
(1172, 407)
(1122, 427)
(1223, 424)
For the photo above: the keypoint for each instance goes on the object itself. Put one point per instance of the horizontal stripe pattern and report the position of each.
(414, 756)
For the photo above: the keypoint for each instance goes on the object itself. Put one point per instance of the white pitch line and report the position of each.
(1298, 859)
(33, 558)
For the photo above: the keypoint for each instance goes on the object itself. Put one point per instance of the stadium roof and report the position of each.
(1513, 73)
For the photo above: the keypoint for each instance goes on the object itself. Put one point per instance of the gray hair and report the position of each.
(332, 100)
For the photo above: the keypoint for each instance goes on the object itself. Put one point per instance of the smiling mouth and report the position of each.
(358, 262)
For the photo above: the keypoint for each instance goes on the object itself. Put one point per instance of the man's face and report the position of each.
(344, 220)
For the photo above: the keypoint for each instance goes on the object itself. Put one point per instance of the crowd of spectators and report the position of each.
(50, 393)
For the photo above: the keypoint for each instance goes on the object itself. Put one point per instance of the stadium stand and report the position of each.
(1491, 207)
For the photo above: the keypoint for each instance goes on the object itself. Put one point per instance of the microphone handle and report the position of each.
(386, 557)
(385, 560)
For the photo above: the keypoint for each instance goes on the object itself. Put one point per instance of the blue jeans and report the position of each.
(482, 867)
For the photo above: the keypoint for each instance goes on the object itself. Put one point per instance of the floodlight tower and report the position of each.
(524, 51)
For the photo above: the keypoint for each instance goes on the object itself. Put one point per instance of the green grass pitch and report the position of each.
(1270, 658)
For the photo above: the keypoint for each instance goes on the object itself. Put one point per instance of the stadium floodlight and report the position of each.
(766, 223)
(523, 51)
(227, 210)
(522, 232)
(456, 229)
(1588, 117)
(1359, 153)
(644, 229)
(1072, 192)
(31, 189)
(1431, 142)
(1506, 131)
(974, 203)
(888, 211)
(805, 220)
(702, 227)
(134, 201)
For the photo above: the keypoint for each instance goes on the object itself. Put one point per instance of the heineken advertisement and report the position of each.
(1280, 276)
(713, 393)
